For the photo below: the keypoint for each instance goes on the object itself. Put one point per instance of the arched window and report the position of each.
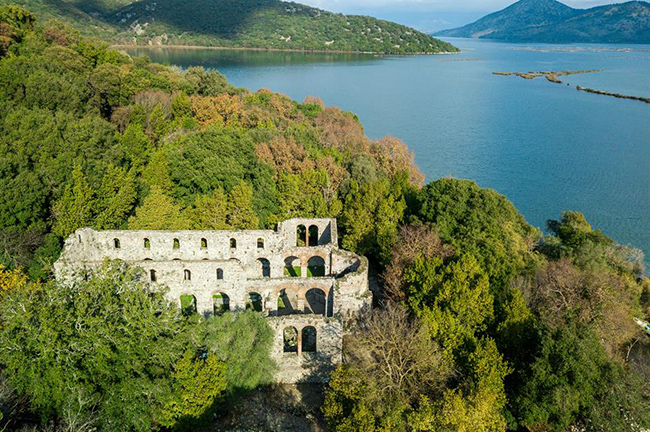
(152, 275)
(188, 304)
(221, 303)
(316, 301)
(313, 236)
(301, 236)
(176, 259)
(187, 275)
(292, 267)
(204, 243)
(264, 267)
(233, 243)
(254, 302)
(309, 339)
(290, 337)
(148, 259)
(260, 243)
(316, 267)
(116, 243)
(177, 243)
(219, 274)
(147, 243)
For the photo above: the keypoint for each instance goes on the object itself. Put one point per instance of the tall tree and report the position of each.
(158, 212)
(115, 198)
(240, 207)
(210, 212)
(76, 207)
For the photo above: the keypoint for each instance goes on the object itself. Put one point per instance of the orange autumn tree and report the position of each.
(222, 109)
(393, 156)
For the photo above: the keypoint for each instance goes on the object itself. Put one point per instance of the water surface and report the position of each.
(547, 147)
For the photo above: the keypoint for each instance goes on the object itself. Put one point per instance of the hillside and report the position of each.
(550, 21)
(271, 24)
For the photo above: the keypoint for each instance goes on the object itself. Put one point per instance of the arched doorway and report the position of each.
(316, 301)
(313, 236)
(188, 304)
(309, 339)
(292, 267)
(254, 302)
(301, 236)
(264, 267)
(316, 267)
(290, 339)
(221, 303)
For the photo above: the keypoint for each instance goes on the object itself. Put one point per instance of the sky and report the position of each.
(429, 15)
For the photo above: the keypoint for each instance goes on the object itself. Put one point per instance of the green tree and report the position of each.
(198, 383)
(478, 407)
(240, 207)
(453, 298)
(574, 231)
(345, 407)
(481, 222)
(75, 208)
(158, 212)
(303, 195)
(106, 84)
(158, 124)
(203, 161)
(136, 144)
(243, 341)
(115, 198)
(103, 351)
(210, 212)
(181, 106)
(156, 173)
(564, 380)
(370, 218)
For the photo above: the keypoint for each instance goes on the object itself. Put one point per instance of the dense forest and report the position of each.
(272, 24)
(484, 322)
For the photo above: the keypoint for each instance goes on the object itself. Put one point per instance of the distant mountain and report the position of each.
(553, 22)
(270, 24)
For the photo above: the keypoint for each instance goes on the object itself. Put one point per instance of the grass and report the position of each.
(293, 271)
(315, 271)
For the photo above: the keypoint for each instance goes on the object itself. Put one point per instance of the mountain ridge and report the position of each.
(266, 24)
(550, 21)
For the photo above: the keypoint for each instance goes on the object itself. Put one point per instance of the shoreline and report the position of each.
(296, 50)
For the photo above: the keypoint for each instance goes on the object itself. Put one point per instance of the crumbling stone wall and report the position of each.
(296, 275)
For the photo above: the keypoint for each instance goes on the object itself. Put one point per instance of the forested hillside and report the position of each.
(270, 24)
(483, 322)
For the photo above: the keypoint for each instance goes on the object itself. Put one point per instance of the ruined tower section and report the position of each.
(296, 276)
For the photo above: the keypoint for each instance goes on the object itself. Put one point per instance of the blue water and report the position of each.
(547, 147)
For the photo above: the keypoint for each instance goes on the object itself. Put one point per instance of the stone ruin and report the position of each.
(296, 276)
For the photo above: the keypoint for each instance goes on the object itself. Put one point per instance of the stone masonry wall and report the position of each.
(297, 276)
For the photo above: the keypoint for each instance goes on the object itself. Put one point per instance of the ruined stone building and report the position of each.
(297, 276)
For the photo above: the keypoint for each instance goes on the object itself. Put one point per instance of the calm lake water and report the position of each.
(547, 147)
